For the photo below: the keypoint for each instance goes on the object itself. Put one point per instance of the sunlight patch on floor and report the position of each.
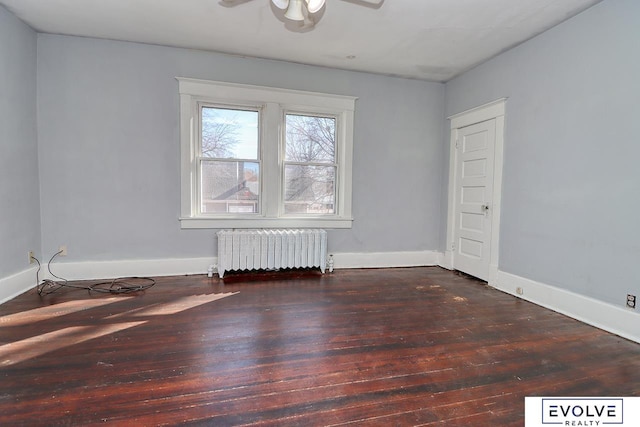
(176, 306)
(29, 348)
(56, 310)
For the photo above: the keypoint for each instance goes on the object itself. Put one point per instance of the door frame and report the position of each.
(492, 110)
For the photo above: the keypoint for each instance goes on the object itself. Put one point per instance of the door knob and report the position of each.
(485, 207)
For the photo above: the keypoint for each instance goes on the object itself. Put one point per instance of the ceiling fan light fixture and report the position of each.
(314, 6)
(294, 11)
(280, 4)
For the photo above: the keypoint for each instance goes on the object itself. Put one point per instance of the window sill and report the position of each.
(219, 223)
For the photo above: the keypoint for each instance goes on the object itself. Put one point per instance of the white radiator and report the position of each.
(271, 249)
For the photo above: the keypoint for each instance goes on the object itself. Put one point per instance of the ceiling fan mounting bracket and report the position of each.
(305, 12)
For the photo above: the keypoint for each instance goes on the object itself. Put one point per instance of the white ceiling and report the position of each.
(424, 39)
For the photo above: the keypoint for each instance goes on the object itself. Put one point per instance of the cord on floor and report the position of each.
(121, 285)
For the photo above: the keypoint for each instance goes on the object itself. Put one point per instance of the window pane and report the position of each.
(230, 187)
(229, 133)
(310, 139)
(309, 189)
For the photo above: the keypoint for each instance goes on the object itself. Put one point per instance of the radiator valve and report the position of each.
(330, 263)
(210, 270)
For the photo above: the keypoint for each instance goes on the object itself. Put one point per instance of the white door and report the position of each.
(473, 205)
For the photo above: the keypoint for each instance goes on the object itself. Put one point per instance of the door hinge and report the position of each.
(453, 246)
(457, 144)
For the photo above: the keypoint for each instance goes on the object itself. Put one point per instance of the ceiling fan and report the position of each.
(304, 12)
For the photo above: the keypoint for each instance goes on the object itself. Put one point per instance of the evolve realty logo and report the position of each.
(581, 411)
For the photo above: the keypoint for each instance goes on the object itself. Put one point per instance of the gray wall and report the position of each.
(571, 192)
(19, 187)
(109, 150)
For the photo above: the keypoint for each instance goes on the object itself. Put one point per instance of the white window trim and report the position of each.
(275, 103)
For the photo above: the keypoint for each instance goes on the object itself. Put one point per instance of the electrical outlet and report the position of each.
(31, 256)
(63, 250)
(631, 301)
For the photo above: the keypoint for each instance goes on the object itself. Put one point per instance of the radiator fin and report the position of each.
(271, 249)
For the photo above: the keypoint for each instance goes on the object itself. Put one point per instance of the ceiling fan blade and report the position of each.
(375, 4)
(232, 3)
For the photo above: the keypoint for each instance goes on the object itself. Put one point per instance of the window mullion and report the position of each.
(271, 158)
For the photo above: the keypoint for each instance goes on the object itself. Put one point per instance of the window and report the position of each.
(309, 166)
(229, 165)
(264, 157)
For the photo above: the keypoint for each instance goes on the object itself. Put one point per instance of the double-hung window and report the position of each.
(309, 164)
(255, 157)
(228, 161)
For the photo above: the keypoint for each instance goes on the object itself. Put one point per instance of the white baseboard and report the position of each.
(12, 286)
(88, 270)
(445, 259)
(171, 267)
(617, 320)
(385, 259)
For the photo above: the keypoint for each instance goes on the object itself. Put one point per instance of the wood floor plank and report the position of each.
(411, 346)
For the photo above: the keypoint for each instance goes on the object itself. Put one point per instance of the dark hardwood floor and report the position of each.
(412, 346)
